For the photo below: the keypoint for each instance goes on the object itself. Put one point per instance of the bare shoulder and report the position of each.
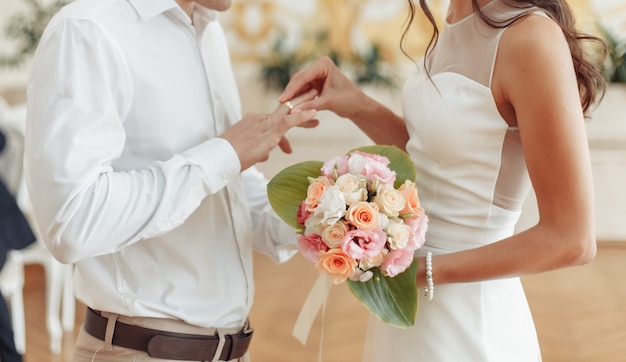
(533, 39)
(533, 56)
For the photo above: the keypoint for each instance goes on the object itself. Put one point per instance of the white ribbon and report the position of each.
(314, 301)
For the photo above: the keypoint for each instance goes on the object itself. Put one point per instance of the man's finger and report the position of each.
(284, 145)
(312, 123)
(289, 105)
(302, 117)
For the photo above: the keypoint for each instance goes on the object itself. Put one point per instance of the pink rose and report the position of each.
(363, 244)
(337, 264)
(374, 167)
(310, 246)
(303, 213)
(374, 157)
(335, 167)
(377, 171)
(396, 262)
(419, 226)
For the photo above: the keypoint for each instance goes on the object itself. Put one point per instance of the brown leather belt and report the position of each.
(169, 345)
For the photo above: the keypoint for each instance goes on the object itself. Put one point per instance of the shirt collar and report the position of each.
(148, 9)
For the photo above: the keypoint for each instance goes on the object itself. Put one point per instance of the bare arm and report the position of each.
(535, 78)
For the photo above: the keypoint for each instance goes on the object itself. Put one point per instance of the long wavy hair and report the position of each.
(591, 82)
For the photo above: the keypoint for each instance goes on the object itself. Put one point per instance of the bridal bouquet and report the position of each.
(360, 222)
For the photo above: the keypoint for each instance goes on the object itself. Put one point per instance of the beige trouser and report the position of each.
(91, 349)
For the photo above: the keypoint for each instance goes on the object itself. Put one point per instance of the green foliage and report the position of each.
(282, 63)
(368, 69)
(27, 29)
(288, 189)
(392, 300)
(615, 67)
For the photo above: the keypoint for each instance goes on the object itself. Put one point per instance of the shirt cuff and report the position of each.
(218, 160)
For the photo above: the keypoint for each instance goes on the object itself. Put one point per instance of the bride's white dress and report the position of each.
(472, 182)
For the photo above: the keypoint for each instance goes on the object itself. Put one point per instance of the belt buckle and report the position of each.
(235, 339)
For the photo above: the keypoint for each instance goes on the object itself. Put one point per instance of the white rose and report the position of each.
(331, 207)
(354, 188)
(356, 163)
(373, 262)
(398, 234)
(389, 200)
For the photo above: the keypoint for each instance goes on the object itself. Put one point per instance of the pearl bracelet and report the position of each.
(429, 290)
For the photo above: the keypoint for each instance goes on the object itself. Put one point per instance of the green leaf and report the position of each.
(392, 300)
(288, 189)
(399, 161)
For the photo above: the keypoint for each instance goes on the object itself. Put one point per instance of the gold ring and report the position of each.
(288, 105)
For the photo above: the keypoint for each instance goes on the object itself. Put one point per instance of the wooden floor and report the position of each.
(580, 314)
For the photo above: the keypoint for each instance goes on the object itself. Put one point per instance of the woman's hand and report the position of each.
(336, 92)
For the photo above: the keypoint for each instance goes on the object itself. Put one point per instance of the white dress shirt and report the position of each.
(125, 169)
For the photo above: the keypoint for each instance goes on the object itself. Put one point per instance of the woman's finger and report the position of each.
(287, 106)
(307, 78)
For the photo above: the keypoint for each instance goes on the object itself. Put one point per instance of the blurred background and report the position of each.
(270, 40)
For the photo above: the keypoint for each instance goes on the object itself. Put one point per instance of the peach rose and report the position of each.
(409, 191)
(363, 215)
(315, 191)
(333, 234)
(336, 264)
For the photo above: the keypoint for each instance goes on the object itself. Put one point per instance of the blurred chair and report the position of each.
(12, 286)
(59, 292)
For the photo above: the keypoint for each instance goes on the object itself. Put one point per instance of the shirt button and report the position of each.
(225, 178)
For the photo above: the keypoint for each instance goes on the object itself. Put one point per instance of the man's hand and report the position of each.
(256, 135)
